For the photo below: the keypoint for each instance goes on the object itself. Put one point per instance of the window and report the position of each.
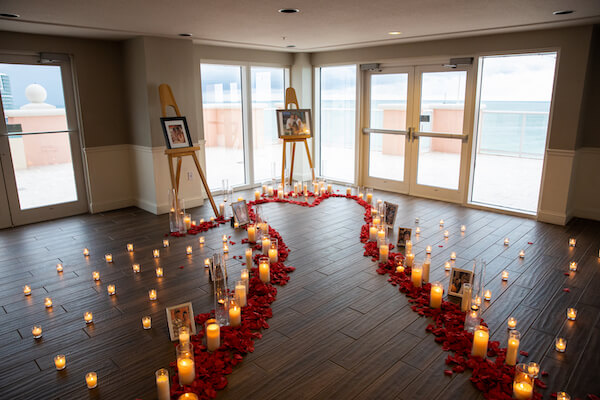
(337, 116)
(228, 127)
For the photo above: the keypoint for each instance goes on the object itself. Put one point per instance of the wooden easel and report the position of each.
(166, 100)
(290, 98)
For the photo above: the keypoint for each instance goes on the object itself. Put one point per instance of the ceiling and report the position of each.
(320, 25)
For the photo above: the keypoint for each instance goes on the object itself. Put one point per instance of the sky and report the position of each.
(22, 76)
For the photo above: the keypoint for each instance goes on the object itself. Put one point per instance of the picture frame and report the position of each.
(458, 277)
(390, 211)
(178, 316)
(403, 236)
(295, 123)
(240, 212)
(177, 134)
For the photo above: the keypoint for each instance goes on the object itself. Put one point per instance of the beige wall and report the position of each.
(590, 123)
(97, 66)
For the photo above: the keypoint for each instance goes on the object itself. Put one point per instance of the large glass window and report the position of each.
(338, 122)
(513, 112)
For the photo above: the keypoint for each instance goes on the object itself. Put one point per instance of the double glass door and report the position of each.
(417, 132)
(41, 162)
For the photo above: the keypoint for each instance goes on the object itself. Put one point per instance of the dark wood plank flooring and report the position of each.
(339, 329)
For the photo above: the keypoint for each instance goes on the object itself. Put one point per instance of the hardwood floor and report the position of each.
(339, 330)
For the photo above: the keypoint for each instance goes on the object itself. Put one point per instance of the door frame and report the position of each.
(9, 185)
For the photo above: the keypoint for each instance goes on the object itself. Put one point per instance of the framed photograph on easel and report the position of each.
(177, 134)
(294, 123)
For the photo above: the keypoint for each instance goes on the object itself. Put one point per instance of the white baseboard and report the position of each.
(97, 207)
(552, 217)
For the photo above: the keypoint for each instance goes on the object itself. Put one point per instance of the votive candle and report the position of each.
(159, 272)
(348, 191)
(522, 390)
(522, 254)
(108, 258)
(26, 290)
(96, 275)
(572, 242)
(136, 268)
(441, 222)
(59, 268)
(152, 294)
(201, 240)
(48, 302)
(156, 253)
(447, 266)
(417, 230)
(504, 275)
(437, 291)
(446, 234)
(111, 289)
(147, 322)
(487, 295)
(480, 341)
(560, 344)
(506, 241)
(130, 247)
(463, 228)
(512, 323)
(91, 379)
(88, 317)
(562, 396)
(573, 266)
(428, 249)
(166, 243)
(36, 331)
(225, 248)
(571, 314)
(86, 252)
(60, 362)
(453, 256)
(188, 250)
(206, 262)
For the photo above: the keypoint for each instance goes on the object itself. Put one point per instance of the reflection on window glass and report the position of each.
(267, 96)
(442, 102)
(223, 124)
(388, 101)
(338, 116)
(514, 108)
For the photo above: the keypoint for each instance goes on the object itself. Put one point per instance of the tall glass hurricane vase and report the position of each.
(219, 274)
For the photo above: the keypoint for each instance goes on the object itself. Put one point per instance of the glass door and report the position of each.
(39, 142)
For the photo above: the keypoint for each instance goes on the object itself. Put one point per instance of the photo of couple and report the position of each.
(293, 122)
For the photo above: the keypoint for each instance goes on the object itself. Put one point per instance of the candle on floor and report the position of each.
(108, 258)
(573, 266)
(111, 289)
(130, 247)
(348, 191)
(251, 233)
(506, 241)
(428, 249)
(235, 314)
(194, 223)
(136, 268)
(147, 322)
(372, 233)
(446, 234)
(426, 267)
(36, 331)
(185, 364)
(572, 242)
(280, 192)
(415, 276)
(273, 251)
(463, 228)
(244, 276)
(222, 209)
(159, 272)
(86, 252)
(437, 291)
(240, 293)
(407, 246)
(187, 221)
(201, 240)
(384, 251)
(213, 339)
(240, 198)
(376, 221)
(522, 254)
(59, 268)
(571, 314)
(60, 362)
(48, 302)
(487, 295)
(264, 189)
(360, 195)
(156, 253)
(369, 198)
(88, 317)
(224, 238)
(533, 369)
(467, 292)
(206, 262)
(225, 248)
(417, 230)
(447, 266)
(270, 191)
(329, 188)
(264, 270)
(188, 250)
(96, 275)
(560, 344)
(266, 245)
(257, 195)
(400, 268)
(522, 390)
(416, 220)
(381, 237)
(26, 290)
(91, 379)
(512, 351)
(152, 294)
(476, 300)
(441, 222)
(184, 335)
(201, 220)
(562, 396)
(249, 257)
(409, 260)
(504, 275)
(512, 323)
(165, 242)
(162, 384)
(480, 341)
(453, 256)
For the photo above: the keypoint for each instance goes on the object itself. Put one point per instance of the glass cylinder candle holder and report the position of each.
(48, 302)
(426, 267)
(533, 369)
(88, 317)
(562, 396)
(235, 313)
(465, 303)
(572, 242)
(407, 246)
(156, 253)
(506, 241)
(27, 290)
(111, 289)
(523, 383)
(59, 268)
(573, 266)
(187, 221)
(369, 194)
(372, 232)
(130, 247)
(96, 275)
(185, 364)
(108, 258)
(147, 322)
(472, 319)
(409, 259)
(86, 252)
(166, 243)
(188, 250)
(264, 270)
(416, 275)
(273, 251)
(512, 349)
(60, 362)
(384, 251)
(248, 254)
(481, 337)
(212, 334)
(184, 335)
(162, 384)
(505, 275)
(152, 295)
(201, 240)
(240, 293)
(266, 244)
(571, 314)
(381, 237)
(437, 292)
(376, 221)
(136, 268)
(399, 265)
(91, 380)
(560, 345)
(476, 300)
(245, 277)
(252, 233)
(159, 272)
(36, 331)
(512, 323)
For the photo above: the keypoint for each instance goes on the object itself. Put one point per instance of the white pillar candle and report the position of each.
(266, 245)
(408, 246)
(383, 253)
(381, 236)
(184, 335)
(186, 370)
(315, 188)
(376, 221)
(522, 390)
(416, 275)
(264, 189)
(244, 276)
(213, 337)
(60, 362)
(372, 233)
(273, 255)
(369, 198)
(235, 315)
(512, 351)
(409, 260)
(465, 302)
(240, 293)
(162, 384)
(222, 209)
(426, 267)
(480, 341)
(36, 331)
(257, 195)
(348, 191)
(147, 322)
(187, 221)
(130, 247)
(91, 379)
(249, 257)
(251, 233)
(437, 291)
(26, 290)
(329, 188)
(264, 270)
(88, 317)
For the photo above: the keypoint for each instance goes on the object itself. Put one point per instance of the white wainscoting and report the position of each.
(586, 199)
(556, 186)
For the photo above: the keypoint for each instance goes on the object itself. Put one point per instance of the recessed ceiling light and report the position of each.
(9, 15)
(290, 45)
(395, 33)
(563, 12)
(289, 10)
(185, 34)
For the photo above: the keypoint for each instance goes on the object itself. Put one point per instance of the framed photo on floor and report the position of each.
(294, 123)
(177, 134)
(390, 210)
(179, 316)
(458, 277)
(403, 236)
(240, 212)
